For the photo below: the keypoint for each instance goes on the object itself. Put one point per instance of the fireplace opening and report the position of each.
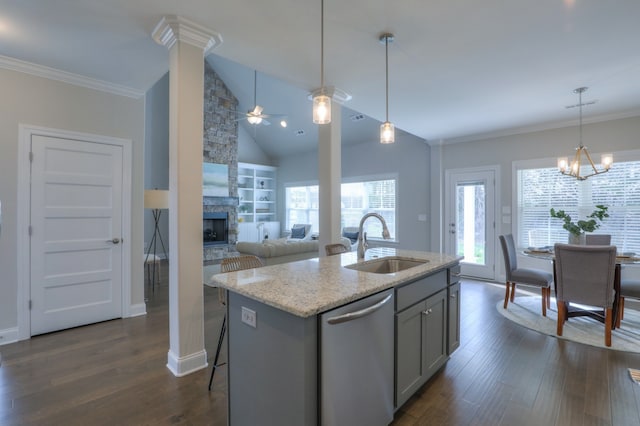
(215, 230)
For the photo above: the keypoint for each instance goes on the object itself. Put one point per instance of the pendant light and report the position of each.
(574, 169)
(387, 129)
(321, 102)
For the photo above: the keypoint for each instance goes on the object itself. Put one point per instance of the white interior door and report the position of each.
(76, 233)
(470, 213)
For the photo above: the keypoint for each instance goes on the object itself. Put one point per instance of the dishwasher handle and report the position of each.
(359, 314)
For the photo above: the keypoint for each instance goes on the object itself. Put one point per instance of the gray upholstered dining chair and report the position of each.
(585, 275)
(525, 276)
(597, 239)
(628, 289)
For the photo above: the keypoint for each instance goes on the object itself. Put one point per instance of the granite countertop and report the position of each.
(309, 287)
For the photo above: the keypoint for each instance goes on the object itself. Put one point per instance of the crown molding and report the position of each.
(67, 77)
(174, 28)
(535, 128)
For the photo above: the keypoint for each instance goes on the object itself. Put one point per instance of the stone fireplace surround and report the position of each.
(220, 145)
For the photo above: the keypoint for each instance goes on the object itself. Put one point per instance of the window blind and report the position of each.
(540, 189)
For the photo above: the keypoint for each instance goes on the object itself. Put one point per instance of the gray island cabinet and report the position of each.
(284, 368)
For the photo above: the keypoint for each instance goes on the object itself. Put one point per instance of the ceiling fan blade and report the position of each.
(273, 116)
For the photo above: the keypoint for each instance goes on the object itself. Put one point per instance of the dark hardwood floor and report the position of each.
(114, 373)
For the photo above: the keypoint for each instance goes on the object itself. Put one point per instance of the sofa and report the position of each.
(284, 250)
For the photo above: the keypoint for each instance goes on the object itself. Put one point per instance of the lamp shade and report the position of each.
(156, 199)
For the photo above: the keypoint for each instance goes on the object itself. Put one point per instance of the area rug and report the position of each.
(526, 311)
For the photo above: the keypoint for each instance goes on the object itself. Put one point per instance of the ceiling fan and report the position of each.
(255, 116)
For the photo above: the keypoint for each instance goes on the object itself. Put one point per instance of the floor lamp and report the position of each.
(156, 200)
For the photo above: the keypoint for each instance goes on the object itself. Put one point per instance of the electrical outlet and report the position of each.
(249, 317)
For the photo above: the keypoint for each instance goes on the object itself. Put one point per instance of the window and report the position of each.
(302, 206)
(374, 196)
(357, 198)
(540, 189)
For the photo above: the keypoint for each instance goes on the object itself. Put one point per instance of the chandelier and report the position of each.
(575, 168)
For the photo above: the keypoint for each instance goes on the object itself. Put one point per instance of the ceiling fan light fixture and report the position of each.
(574, 169)
(252, 119)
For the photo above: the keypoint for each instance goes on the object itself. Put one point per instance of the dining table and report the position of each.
(546, 253)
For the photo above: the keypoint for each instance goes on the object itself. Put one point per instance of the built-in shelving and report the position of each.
(257, 202)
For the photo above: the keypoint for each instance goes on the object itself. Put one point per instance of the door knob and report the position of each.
(114, 241)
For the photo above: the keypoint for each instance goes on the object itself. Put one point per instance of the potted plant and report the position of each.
(577, 229)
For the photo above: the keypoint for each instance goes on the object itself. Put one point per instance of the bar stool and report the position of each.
(230, 264)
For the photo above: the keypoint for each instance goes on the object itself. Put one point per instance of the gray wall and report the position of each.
(608, 136)
(156, 154)
(249, 151)
(408, 157)
(42, 102)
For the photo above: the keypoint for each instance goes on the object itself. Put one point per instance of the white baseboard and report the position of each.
(181, 366)
(137, 310)
(8, 335)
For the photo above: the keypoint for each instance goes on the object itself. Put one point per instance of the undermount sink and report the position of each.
(387, 265)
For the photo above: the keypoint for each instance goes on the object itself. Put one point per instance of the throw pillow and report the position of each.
(353, 236)
(297, 233)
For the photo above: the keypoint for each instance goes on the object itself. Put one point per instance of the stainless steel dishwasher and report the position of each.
(356, 362)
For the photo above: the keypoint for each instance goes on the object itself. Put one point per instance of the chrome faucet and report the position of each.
(362, 236)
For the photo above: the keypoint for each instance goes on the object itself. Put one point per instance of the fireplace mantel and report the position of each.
(220, 201)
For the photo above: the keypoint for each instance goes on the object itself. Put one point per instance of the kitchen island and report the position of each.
(279, 351)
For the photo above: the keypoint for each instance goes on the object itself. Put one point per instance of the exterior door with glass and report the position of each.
(470, 220)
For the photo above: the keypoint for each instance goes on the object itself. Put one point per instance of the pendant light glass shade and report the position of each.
(322, 109)
(387, 132)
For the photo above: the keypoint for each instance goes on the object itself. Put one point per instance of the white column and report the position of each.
(188, 43)
(329, 178)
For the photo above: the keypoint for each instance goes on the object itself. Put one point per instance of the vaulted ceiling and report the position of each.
(458, 69)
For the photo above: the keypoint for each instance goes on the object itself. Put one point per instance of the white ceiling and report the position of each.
(458, 69)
